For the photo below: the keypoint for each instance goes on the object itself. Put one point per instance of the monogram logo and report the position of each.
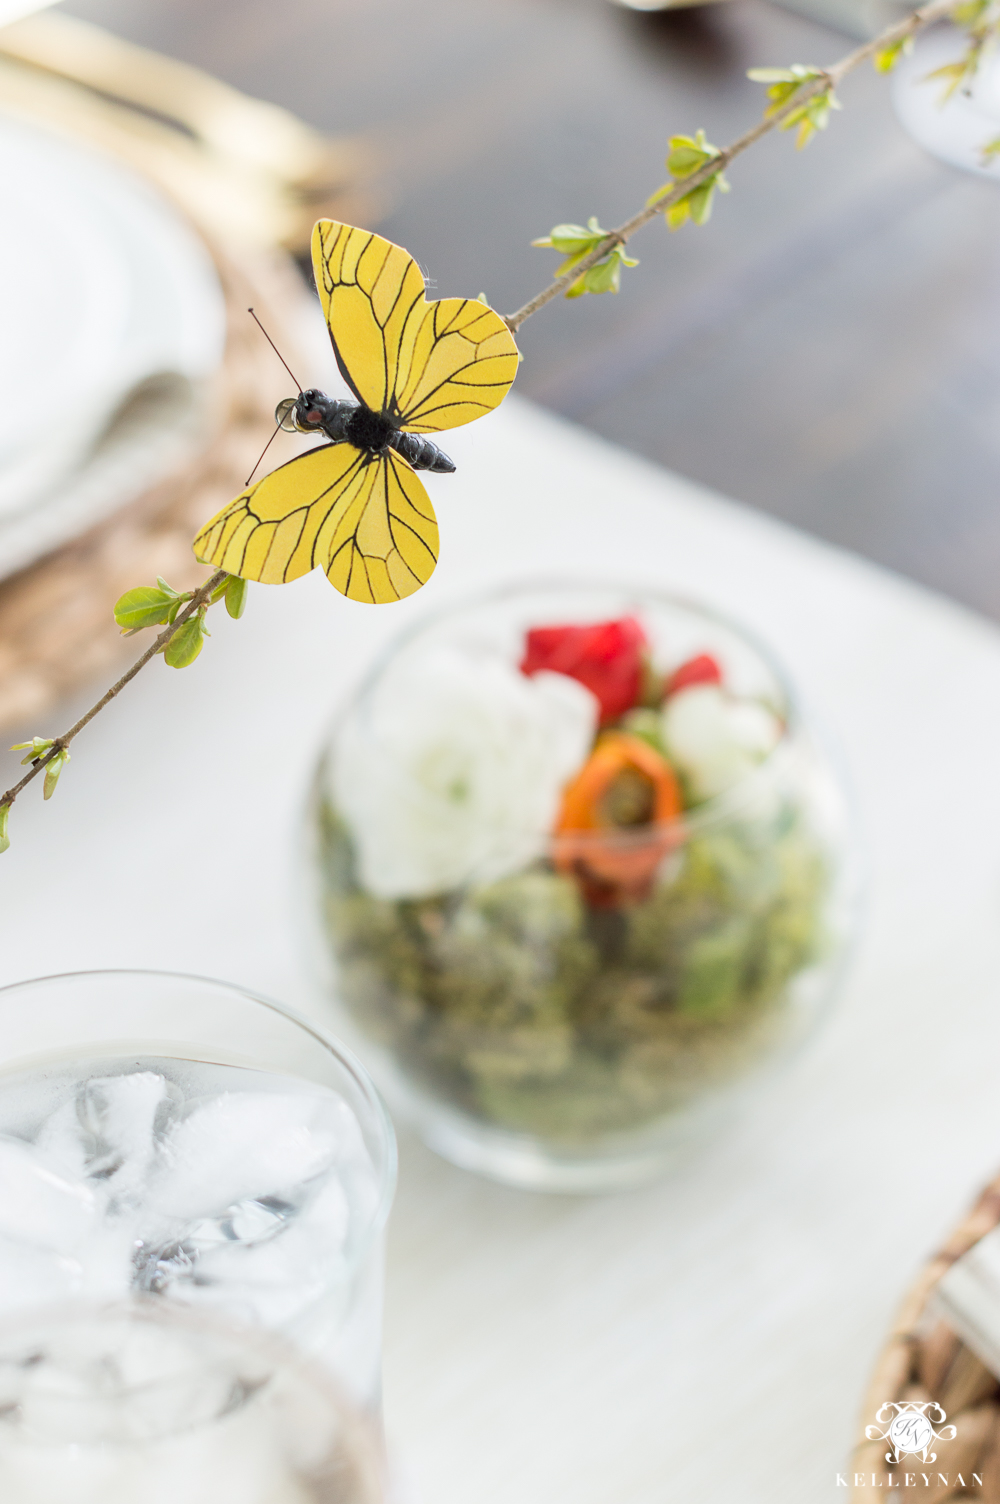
(910, 1431)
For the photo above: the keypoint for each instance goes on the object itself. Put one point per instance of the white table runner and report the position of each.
(707, 1339)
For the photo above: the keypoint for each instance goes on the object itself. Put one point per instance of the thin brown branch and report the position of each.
(830, 77)
(60, 743)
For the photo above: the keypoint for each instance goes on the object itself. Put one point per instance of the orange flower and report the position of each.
(613, 829)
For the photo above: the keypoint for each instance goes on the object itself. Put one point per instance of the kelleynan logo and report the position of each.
(910, 1433)
(910, 1430)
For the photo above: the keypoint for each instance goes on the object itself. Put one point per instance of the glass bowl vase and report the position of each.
(553, 1000)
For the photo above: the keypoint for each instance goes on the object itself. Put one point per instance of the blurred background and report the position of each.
(825, 349)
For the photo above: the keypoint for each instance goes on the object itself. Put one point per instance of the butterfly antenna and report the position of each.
(262, 454)
(277, 352)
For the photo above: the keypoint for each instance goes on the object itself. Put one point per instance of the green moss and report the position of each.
(522, 1006)
(714, 976)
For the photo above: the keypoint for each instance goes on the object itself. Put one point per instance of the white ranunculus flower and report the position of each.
(715, 739)
(452, 768)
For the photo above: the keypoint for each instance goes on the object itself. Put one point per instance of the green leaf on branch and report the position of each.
(812, 114)
(990, 151)
(574, 241)
(52, 771)
(577, 242)
(952, 75)
(887, 57)
(4, 837)
(36, 748)
(974, 14)
(186, 643)
(236, 596)
(688, 155)
(956, 75)
(604, 276)
(148, 606)
(784, 82)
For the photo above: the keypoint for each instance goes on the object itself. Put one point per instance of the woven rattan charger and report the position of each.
(924, 1360)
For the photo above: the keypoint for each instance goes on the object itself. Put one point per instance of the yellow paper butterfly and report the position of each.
(354, 507)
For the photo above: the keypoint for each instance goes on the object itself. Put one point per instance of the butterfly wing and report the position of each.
(363, 518)
(429, 366)
(460, 365)
(370, 290)
(269, 531)
(382, 546)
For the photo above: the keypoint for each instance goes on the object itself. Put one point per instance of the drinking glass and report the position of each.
(75, 1024)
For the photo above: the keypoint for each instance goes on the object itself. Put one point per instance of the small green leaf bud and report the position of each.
(236, 596)
(36, 748)
(186, 643)
(812, 114)
(52, 771)
(887, 57)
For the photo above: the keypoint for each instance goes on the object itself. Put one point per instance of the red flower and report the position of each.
(606, 657)
(701, 670)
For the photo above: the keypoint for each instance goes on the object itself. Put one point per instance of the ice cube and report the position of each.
(40, 1207)
(247, 1222)
(109, 1378)
(110, 1409)
(247, 1146)
(109, 1131)
(247, 1209)
(288, 1257)
(107, 1258)
(36, 1276)
(61, 1140)
(61, 1223)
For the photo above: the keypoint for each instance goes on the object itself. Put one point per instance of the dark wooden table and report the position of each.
(828, 348)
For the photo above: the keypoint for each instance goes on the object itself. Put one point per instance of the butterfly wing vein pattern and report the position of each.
(430, 366)
(364, 517)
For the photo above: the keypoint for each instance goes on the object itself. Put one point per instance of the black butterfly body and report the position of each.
(354, 423)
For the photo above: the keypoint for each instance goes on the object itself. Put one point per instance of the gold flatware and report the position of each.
(244, 168)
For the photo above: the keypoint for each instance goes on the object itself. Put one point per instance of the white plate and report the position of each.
(113, 319)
